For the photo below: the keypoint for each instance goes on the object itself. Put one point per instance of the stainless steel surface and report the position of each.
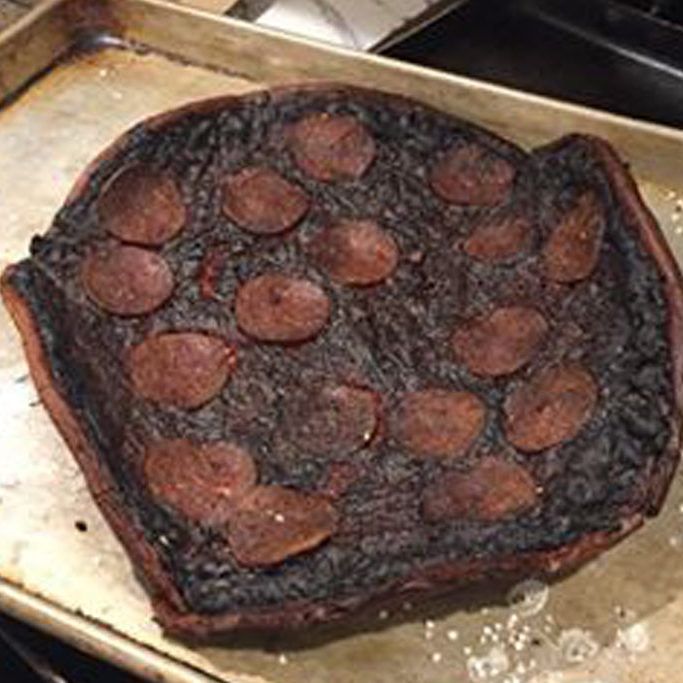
(621, 614)
(359, 24)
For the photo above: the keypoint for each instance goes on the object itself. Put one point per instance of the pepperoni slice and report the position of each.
(440, 423)
(331, 147)
(280, 308)
(126, 280)
(142, 205)
(335, 420)
(183, 369)
(356, 252)
(550, 408)
(201, 481)
(573, 248)
(493, 490)
(261, 201)
(469, 174)
(501, 342)
(273, 523)
(211, 270)
(499, 239)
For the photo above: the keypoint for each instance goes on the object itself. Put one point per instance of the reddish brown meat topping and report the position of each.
(499, 239)
(127, 280)
(550, 408)
(280, 308)
(261, 201)
(492, 490)
(469, 174)
(501, 342)
(211, 270)
(142, 205)
(184, 369)
(573, 248)
(356, 252)
(333, 421)
(273, 523)
(201, 481)
(331, 147)
(439, 423)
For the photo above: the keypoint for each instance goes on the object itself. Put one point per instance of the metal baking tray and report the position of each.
(73, 76)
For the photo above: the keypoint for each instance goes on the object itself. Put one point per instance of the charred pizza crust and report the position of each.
(321, 346)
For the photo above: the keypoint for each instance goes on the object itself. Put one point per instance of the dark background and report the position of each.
(625, 56)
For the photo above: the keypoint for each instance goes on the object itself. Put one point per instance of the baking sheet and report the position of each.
(615, 621)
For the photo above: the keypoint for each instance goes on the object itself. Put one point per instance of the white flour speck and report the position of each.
(490, 665)
(634, 639)
(577, 645)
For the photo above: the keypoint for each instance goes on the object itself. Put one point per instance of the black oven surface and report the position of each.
(624, 56)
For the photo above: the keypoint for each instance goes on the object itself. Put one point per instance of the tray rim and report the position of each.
(58, 12)
(91, 637)
(415, 70)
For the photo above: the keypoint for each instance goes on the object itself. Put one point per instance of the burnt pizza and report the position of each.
(318, 347)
